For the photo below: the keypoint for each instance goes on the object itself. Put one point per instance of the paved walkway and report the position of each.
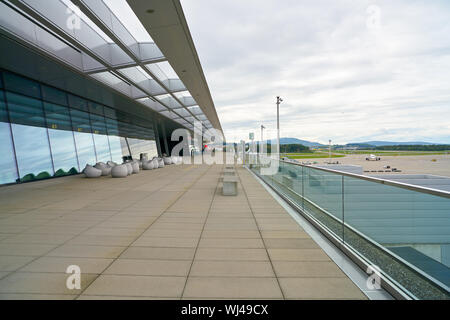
(166, 233)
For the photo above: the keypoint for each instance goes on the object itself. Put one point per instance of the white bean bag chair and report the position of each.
(147, 165)
(140, 163)
(111, 164)
(177, 160)
(160, 163)
(135, 166)
(106, 170)
(155, 163)
(167, 160)
(119, 171)
(129, 168)
(91, 172)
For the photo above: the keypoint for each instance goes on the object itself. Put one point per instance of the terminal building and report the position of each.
(77, 88)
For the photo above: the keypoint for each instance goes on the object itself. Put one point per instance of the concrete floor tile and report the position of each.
(25, 238)
(307, 269)
(231, 254)
(41, 283)
(150, 267)
(230, 243)
(297, 255)
(60, 264)
(241, 234)
(169, 233)
(158, 253)
(291, 243)
(84, 239)
(166, 242)
(233, 288)
(86, 251)
(285, 234)
(231, 269)
(24, 249)
(139, 286)
(12, 263)
(320, 288)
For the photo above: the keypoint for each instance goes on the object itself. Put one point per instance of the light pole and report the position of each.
(262, 139)
(279, 100)
(329, 151)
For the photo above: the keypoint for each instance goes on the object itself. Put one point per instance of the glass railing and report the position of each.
(399, 229)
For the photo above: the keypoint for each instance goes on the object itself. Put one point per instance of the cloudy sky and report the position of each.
(347, 70)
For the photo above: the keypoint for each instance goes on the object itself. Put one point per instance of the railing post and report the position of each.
(343, 210)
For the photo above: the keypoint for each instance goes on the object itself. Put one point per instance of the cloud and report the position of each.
(344, 74)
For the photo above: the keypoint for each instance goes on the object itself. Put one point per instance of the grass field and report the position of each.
(311, 155)
(391, 153)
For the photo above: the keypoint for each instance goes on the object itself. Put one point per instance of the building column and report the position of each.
(158, 142)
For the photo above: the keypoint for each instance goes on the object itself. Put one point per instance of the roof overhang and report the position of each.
(166, 24)
(102, 48)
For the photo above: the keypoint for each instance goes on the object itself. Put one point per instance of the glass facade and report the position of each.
(46, 132)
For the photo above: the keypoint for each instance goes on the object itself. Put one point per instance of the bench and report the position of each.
(229, 172)
(229, 187)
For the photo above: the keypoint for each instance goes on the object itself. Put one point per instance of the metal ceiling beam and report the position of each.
(104, 28)
(52, 28)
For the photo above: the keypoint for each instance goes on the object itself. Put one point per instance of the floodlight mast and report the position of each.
(279, 100)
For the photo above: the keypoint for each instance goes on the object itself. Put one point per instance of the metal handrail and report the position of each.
(435, 192)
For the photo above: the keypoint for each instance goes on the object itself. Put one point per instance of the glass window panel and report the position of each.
(22, 85)
(58, 117)
(8, 169)
(32, 151)
(78, 103)
(98, 124)
(80, 121)
(85, 148)
(3, 111)
(54, 95)
(26, 111)
(63, 151)
(139, 146)
(96, 108)
(102, 148)
(110, 113)
(116, 149)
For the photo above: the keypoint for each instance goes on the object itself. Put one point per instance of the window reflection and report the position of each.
(63, 152)
(116, 149)
(57, 131)
(102, 148)
(32, 151)
(138, 146)
(85, 149)
(61, 139)
(8, 170)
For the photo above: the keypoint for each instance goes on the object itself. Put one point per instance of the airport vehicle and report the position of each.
(373, 157)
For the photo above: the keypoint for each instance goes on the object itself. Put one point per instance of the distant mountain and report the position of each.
(390, 143)
(298, 141)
